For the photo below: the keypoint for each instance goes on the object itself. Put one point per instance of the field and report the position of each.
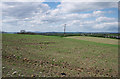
(52, 56)
(96, 39)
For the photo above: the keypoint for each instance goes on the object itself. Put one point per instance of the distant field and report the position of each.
(46, 56)
(96, 39)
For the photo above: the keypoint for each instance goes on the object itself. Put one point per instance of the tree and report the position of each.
(22, 31)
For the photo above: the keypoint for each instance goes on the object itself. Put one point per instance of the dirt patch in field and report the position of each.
(96, 39)
(41, 43)
(51, 65)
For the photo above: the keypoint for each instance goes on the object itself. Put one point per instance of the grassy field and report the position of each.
(96, 39)
(50, 56)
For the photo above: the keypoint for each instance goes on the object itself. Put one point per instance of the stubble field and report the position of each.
(50, 56)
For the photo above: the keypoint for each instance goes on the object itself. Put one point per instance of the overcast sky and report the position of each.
(51, 16)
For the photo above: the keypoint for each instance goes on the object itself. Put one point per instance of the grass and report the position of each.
(50, 56)
(96, 39)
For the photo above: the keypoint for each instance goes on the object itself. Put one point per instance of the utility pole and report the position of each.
(64, 29)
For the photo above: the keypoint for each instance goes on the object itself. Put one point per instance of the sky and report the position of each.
(51, 16)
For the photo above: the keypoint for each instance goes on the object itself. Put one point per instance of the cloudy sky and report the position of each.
(51, 16)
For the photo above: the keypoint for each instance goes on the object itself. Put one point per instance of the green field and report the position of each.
(52, 56)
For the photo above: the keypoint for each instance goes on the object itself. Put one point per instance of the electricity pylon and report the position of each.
(64, 29)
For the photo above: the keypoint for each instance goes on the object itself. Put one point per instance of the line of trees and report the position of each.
(61, 34)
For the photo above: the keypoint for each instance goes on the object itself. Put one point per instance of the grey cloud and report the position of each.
(33, 16)
(23, 10)
(85, 6)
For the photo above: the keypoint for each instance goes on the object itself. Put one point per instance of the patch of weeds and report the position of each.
(18, 57)
(59, 63)
(42, 70)
(84, 57)
(110, 70)
(14, 64)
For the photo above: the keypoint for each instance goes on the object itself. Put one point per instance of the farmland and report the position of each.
(96, 39)
(53, 56)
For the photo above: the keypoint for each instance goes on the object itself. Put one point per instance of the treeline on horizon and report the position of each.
(103, 35)
(61, 34)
